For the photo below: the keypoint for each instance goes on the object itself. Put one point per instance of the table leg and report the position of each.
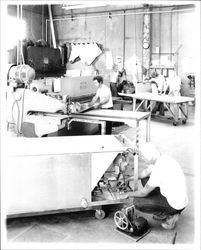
(103, 128)
(136, 156)
(134, 103)
(176, 113)
(148, 128)
(184, 112)
(186, 109)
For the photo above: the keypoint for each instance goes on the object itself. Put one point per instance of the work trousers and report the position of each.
(155, 202)
(113, 88)
(108, 126)
(159, 106)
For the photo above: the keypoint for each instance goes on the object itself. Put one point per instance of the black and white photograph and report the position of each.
(100, 124)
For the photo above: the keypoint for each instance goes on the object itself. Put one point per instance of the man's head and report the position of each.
(154, 75)
(148, 153)
(98, 80)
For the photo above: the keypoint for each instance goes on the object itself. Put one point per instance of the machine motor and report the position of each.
(21, 74)
(127, 221)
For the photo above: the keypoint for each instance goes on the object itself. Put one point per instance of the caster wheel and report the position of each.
(100, 214)
(183, 121)
(174, 123)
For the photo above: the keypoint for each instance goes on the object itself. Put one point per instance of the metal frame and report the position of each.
(177, 102)
(96, 116)
(101, 116)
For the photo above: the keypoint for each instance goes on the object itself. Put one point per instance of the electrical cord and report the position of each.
(22, 116)
(18, 113)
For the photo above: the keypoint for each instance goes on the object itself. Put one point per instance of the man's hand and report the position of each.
(96, 105)
(143, 192)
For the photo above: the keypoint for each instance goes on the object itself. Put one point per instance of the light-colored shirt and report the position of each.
(103, 92)
(114, 76)
(169, 177)
(174, 85)
(160, 81)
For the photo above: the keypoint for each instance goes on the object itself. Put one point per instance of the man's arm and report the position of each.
(105, 99)
(143, 192)
(145, 172)
(94, 100)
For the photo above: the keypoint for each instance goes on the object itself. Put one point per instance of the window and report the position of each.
(16, 30)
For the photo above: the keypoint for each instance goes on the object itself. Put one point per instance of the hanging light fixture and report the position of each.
(81, 6)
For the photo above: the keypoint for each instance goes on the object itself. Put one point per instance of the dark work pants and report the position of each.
(113, 89)
(154, 202)
(108, 127)
(159, 106)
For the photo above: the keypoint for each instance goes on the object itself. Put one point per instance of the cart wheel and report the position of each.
(100, 214)
(121, 220)
(174, 123)
(183, 121)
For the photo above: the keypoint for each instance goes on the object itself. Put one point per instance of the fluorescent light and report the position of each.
(81, 6)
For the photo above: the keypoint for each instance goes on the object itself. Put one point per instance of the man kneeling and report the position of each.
(163, 185)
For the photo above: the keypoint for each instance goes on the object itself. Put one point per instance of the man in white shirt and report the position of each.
(102, 99)
(163, 186)
(158, 85)
(173, 84)
(114, 77)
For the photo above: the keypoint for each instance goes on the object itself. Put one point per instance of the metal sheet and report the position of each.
(116, 115)
(46, 174)
(160, 98)
(63, 145)
(42, 183)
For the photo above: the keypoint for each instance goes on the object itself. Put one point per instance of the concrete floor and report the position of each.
(82, 227)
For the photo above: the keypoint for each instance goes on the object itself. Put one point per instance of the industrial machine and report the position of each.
(23, 101)
(30, 103)
(64, 173)
(61, 174)
(127, 221)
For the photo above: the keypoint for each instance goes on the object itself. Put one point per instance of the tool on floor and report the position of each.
(128, 223)
(174, 238)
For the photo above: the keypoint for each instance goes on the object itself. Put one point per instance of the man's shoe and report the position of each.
(170, 222)
(160, 216)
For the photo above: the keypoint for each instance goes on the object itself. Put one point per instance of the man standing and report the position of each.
(158, 85)
(102, 99)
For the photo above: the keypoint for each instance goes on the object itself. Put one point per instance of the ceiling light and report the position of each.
(81, 6)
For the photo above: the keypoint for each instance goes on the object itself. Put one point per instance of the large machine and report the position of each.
(64, 173)
(30, 103)
(60, 174)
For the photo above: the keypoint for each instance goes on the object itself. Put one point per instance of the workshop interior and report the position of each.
(66, 179)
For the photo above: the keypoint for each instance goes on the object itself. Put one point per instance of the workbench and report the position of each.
(103, 115)
(177, 102)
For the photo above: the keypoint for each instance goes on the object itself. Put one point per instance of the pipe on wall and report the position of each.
(191, 8)
(18, 14)
(120, 14)
(124, 39)
(21, 40)
(52, 26)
